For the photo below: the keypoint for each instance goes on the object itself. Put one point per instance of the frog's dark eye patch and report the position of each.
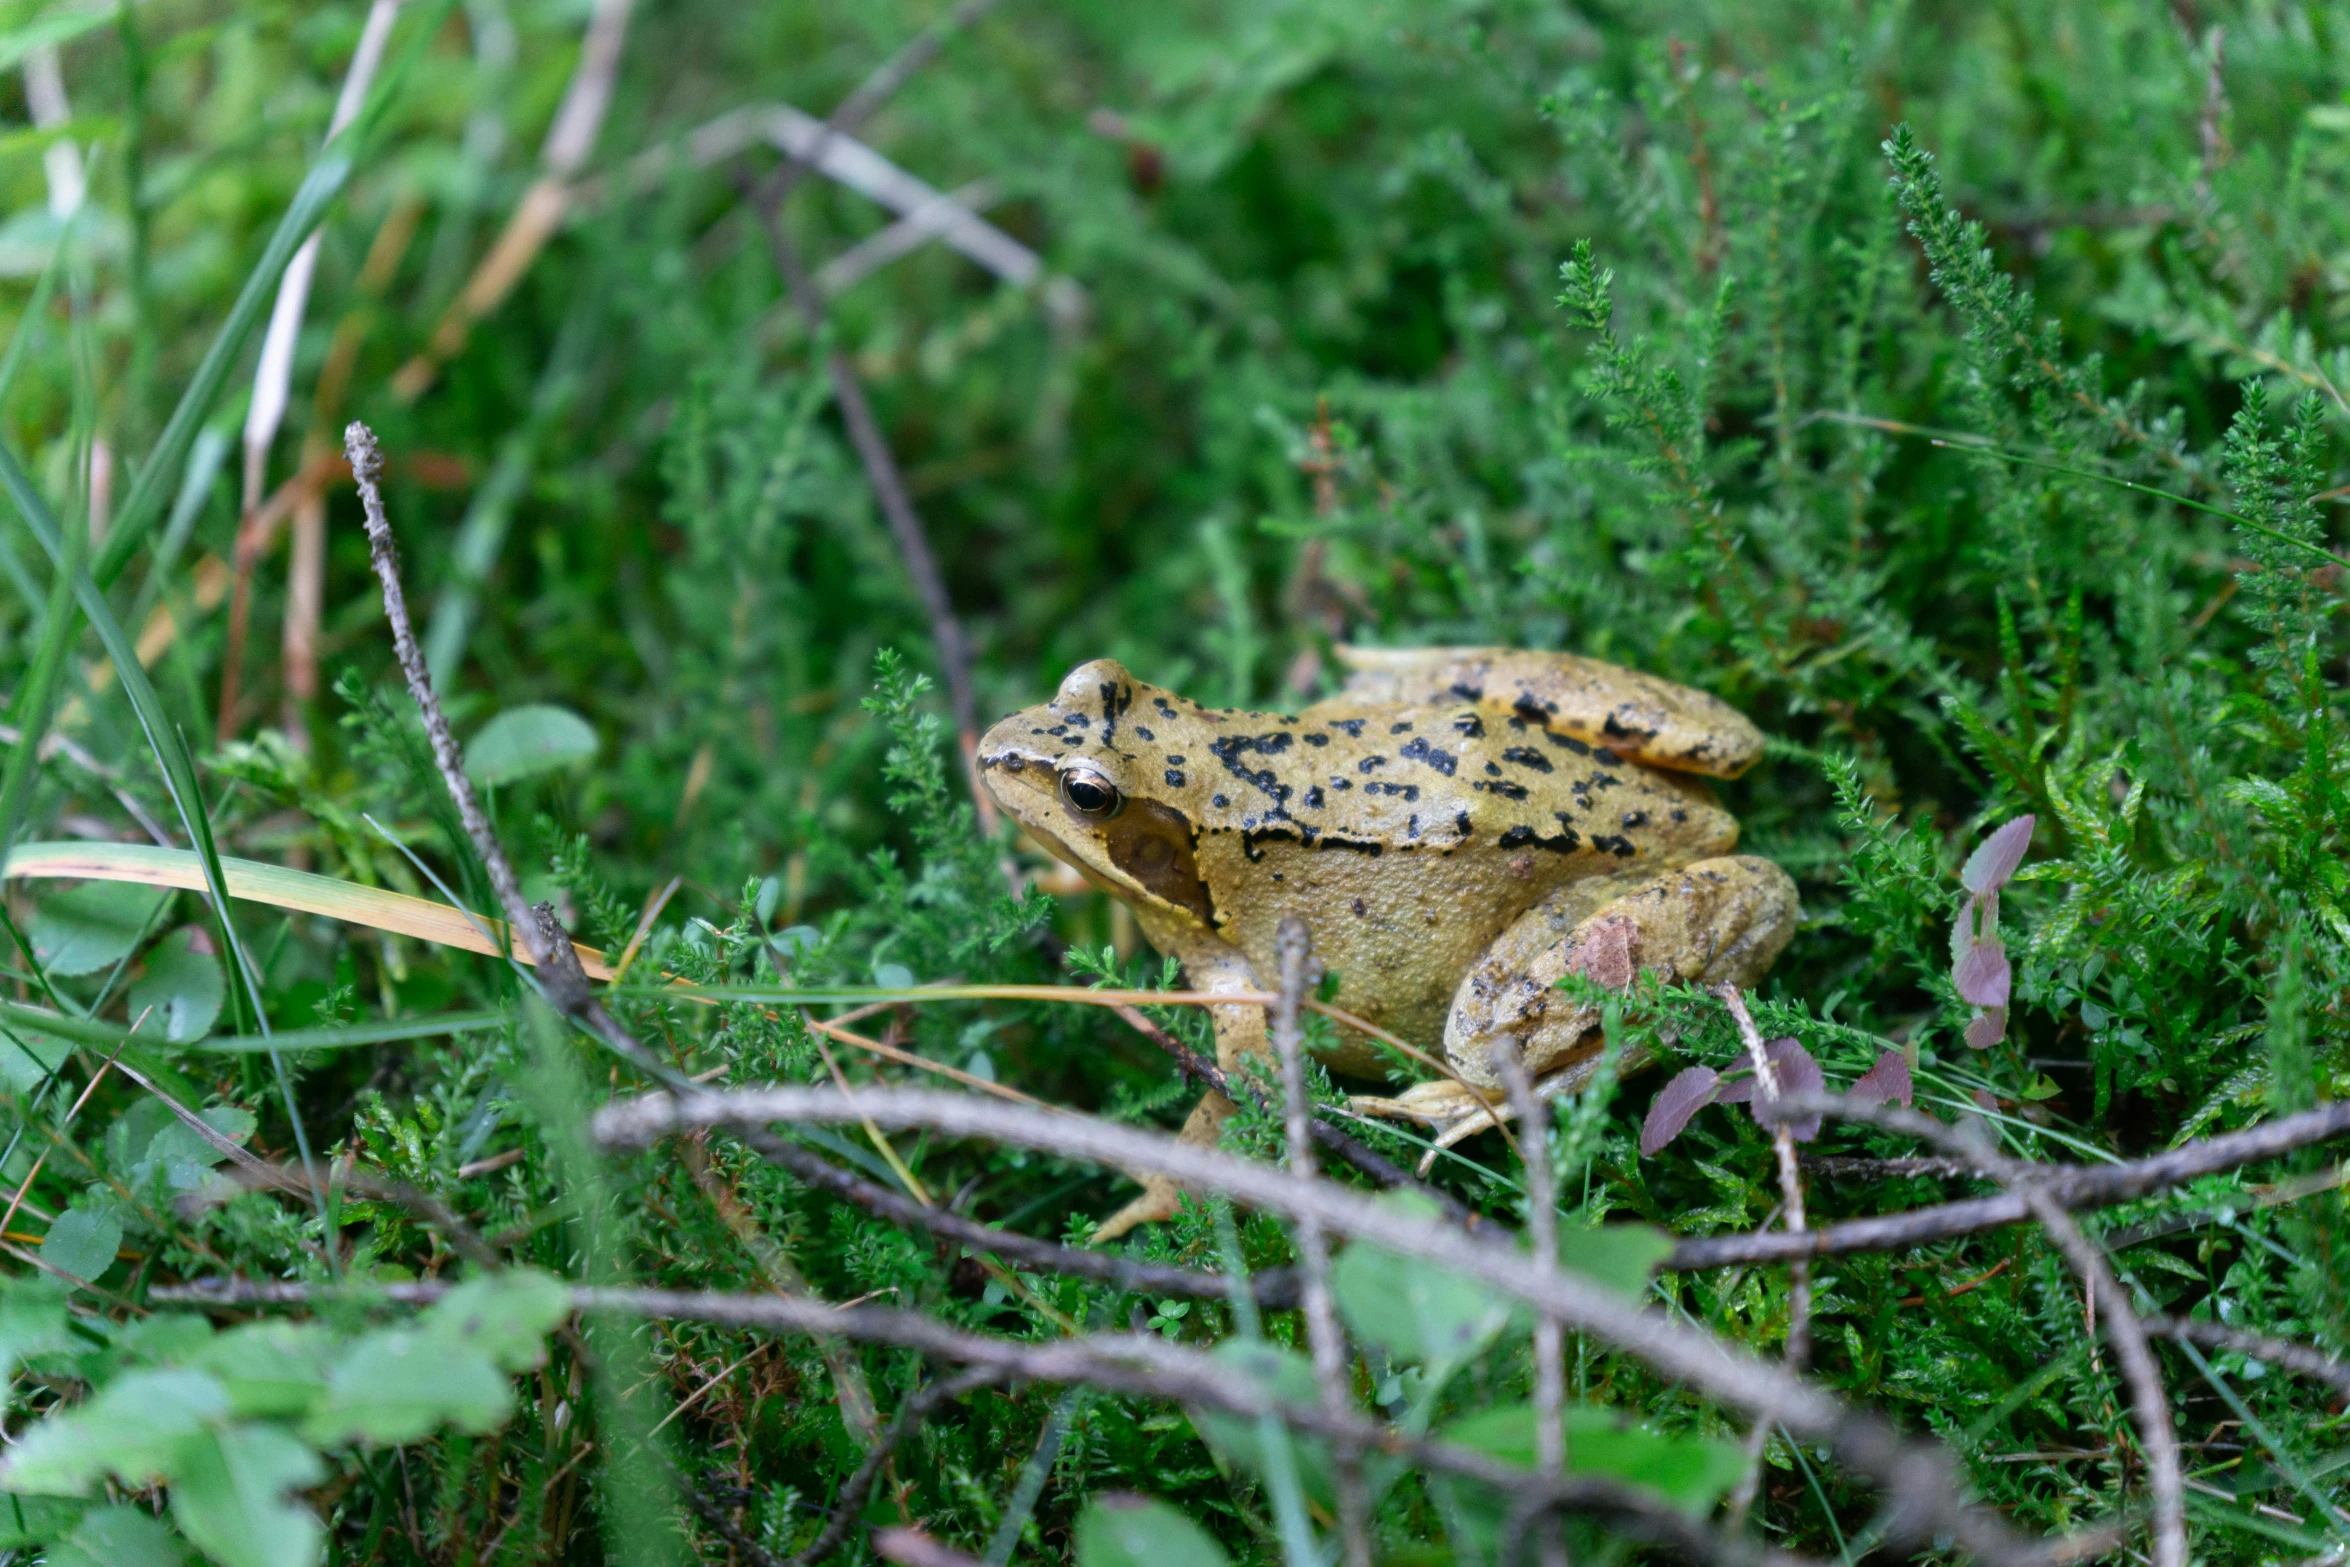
(1152, 843)
(1089, 794)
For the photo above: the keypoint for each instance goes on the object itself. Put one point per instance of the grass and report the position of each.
(1958, 391)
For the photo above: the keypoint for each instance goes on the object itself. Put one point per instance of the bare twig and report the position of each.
(2070, 1185)
(1292, 948)
(463, 1238)
(849, 1504)
(1550, 1363)
(2304, 1359)
(1922, 1492)
(1144, 1365)
(2150, 1405)
(1798, 1352)
(549, 946)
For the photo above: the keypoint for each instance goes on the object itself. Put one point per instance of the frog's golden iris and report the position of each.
(1457, 828)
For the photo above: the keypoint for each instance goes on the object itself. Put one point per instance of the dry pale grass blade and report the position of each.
(280, 888)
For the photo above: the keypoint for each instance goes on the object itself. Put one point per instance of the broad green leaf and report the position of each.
(137, 1428)
(85, 929)
(182, 990)
(182, 1157)
(401, 1384)
(37, 1520)
(82, 1242)
(272, 1368)
(1691, 1472)
(1618, 1257)
(231, 1499)
(523, 742)
(32, 1322)
(119, 1537)
(1120, 1529)
(1416, 1314)
(168, 1338)
(505, 1317)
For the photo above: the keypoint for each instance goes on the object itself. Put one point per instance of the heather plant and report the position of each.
(768, 396)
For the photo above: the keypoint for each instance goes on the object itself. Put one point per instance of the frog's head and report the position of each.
(1092, 776)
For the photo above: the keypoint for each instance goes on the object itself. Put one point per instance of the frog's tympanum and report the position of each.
(1458, 828)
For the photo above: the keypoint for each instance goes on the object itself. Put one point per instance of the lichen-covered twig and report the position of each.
(1324, 1338)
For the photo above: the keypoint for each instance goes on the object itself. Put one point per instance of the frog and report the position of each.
(1457, 828)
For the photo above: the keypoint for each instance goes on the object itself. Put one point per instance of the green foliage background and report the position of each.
(1958, 389)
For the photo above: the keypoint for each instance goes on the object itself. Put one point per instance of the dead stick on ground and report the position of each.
(1798, 1271)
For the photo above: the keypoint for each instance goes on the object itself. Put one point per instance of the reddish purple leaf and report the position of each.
(1797, 1073)
(1987, 1028)
(1689, 1092)
(1739, 1079)
(1992, 864)
(1982, 975)
(1885, 1083)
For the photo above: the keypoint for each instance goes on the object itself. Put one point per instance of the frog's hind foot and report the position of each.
(1455, 1113)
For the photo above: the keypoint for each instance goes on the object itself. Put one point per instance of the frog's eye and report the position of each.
(1088, 793)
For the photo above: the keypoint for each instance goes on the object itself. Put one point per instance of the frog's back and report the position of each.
(1408, 837)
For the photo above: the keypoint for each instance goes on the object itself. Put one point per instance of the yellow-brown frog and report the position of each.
(1458, 828)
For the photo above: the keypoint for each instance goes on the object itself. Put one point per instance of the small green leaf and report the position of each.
(82, 1242)
(1290, 1380)
(137, 1428)
(1617, 1257)
(401, 1384)
(231, 1500)
(119, 1537)
(272, 1368)
(93, 926)
(181, 992)
(1121, 1529)
(1691, 1472)
(184, 1158)
(523, 742)
(505, 1317)
(32, 1322)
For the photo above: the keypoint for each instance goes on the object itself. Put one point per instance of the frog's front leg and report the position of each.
(1712, 922)
(1240, 1032)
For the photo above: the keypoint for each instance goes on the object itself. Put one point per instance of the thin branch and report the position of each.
(542, 936)
(1550, 1363)
(2070, 1185)
(2303, 1359)
(1325, 1339)
(463, 1238)
(2150, 1404)
(1922, 1490)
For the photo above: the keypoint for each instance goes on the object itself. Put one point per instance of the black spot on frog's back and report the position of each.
(1526, 756)
(1417, 749)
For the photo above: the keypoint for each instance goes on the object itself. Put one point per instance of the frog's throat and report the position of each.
(1142, 857)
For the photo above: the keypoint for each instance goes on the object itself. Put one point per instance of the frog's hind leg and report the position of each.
(1712, 922)
(1639, 717)
(1240, 1031)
